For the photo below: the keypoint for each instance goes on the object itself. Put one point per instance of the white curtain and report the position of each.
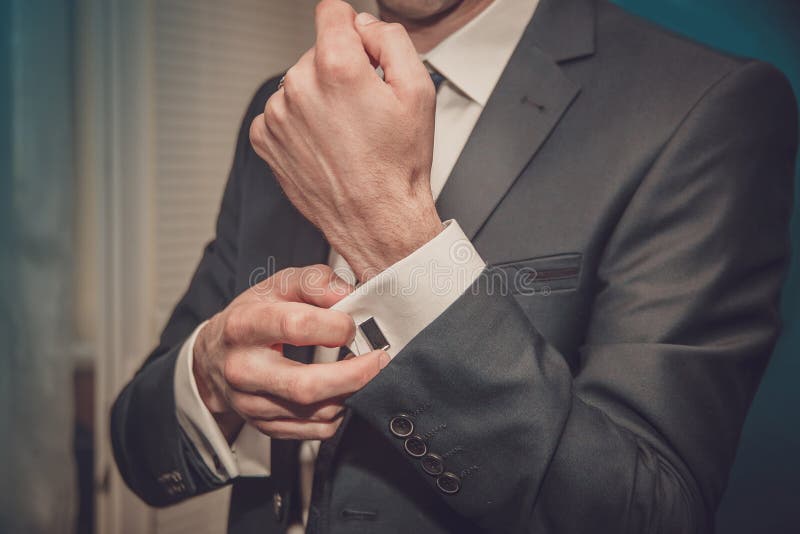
(38, 474)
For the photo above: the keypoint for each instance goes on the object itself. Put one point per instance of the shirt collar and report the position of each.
(473, 58)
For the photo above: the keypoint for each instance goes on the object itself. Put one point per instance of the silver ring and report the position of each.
(280, 83)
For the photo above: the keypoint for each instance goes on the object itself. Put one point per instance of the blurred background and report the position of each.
(117, 126)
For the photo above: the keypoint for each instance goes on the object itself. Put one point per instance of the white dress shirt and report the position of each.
(408, 296)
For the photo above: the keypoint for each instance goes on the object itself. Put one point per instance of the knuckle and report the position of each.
(393, 30)
(427, 91)
(304, 396)
(233, 328)
(289, 78)
(257, 131)
(321, 6)
(423, 89)
(320, 269)
(243, 404)
(301, 391)
(232, 371)
(296, 324)
(269, 313)
(334, 66)
(329, 413)
(263, 426)
(274, 112)
(346, 329)
(314, 278)
(295, 79)
(328, 430)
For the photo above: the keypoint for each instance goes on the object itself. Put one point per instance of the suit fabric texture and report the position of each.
(647, 181)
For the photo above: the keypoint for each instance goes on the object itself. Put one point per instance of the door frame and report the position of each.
(115, 132)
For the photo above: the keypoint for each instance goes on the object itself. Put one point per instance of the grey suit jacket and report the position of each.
(648, 181)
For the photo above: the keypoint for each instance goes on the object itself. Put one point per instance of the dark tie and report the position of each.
(437, 79)
(327, 450)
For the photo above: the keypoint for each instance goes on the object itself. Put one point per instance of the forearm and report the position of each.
(528, 450)
(642, 436)
(155, 457)
(228, 421)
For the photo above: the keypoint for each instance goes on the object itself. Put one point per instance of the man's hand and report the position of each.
(241, 372)
(353, 152)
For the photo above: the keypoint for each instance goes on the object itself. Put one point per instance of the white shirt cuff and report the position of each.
(250, 453)
(408, 296)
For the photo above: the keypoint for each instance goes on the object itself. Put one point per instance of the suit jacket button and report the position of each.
(448, 483)
(432, 464)
(277, 505)
(415, 446)
(401, 426)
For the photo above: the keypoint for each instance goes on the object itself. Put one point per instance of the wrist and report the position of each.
(229, 422)
(387, 239)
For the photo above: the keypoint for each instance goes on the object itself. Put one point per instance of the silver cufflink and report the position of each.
(373, 334)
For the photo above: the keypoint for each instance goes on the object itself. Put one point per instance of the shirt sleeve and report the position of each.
(250, 453)
(397, 304)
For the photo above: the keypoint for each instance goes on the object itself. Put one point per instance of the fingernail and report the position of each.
(362, 19)
(384, 359)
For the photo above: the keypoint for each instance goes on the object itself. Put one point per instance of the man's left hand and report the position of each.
(351, 151)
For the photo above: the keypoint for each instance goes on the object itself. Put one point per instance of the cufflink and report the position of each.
(374, 335)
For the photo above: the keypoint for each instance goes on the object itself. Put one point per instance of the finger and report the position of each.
(317, 382)
(294, 429)
(276, 116)
(259, 137)
(339, 53)
(390, 45)
(315, 284)
(298, 75)
(268, 408)
(333, 20)
(264, 143)
(296, 323)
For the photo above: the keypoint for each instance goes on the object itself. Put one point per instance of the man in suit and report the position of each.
(568, 290)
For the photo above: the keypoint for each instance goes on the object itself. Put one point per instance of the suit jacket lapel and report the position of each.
(527, 103)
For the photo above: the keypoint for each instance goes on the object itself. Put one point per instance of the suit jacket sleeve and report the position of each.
(642, 436)
(156, 459)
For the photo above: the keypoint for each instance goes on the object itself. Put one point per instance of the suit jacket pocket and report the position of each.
(543, 275)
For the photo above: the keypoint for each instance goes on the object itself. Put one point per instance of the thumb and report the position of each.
(355, 372)
(368, 358)
(391, 47)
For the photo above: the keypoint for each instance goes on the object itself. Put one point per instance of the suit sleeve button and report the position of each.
(277, 506)
(432, 464)
(415, 446)
(401, 426)
(448, 483)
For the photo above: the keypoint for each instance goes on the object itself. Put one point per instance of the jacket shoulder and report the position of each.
(644, 70)
(643, 43)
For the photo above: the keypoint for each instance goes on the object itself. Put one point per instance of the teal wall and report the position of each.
(5, 242)
(36, 213)
(764, 491)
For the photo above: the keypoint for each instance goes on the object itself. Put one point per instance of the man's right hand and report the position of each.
(242, 375)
